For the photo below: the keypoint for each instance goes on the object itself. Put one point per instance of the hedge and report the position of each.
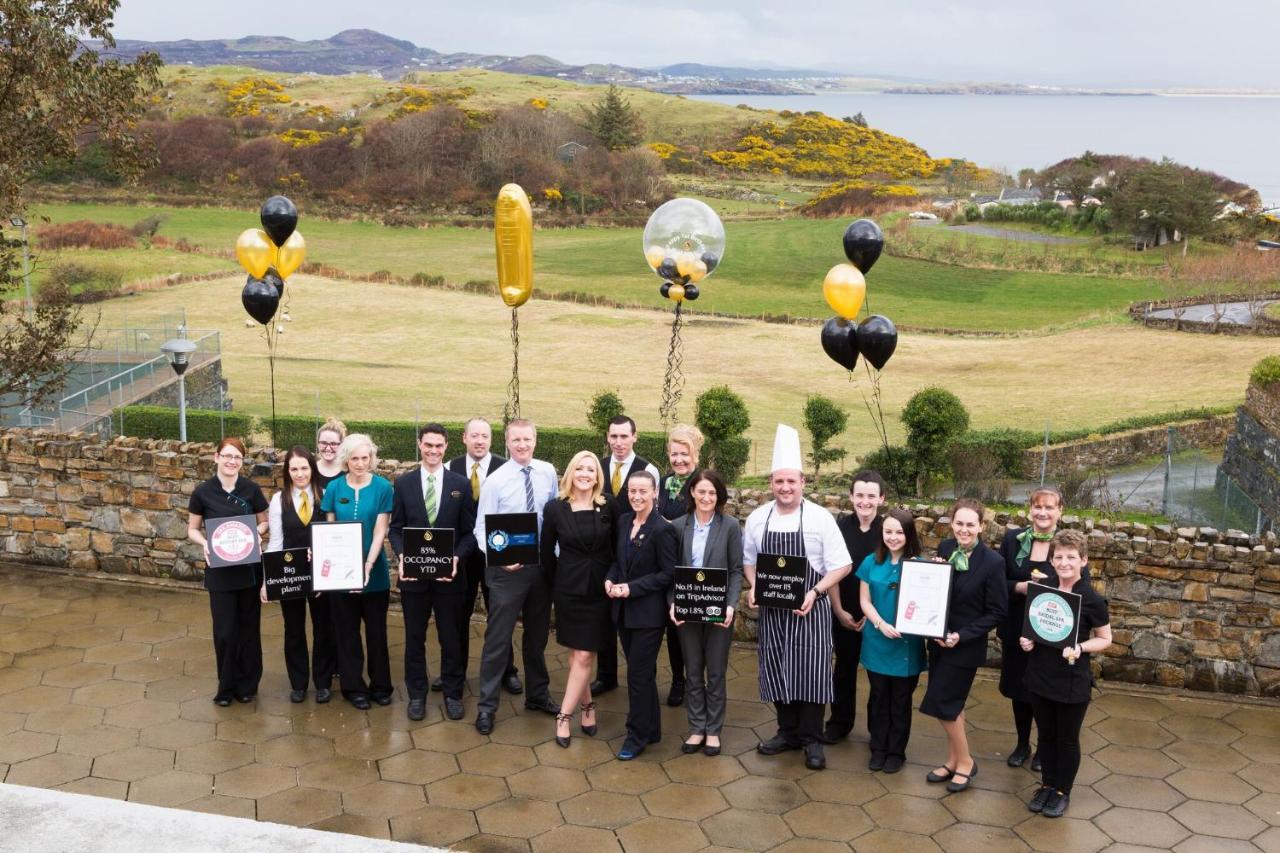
(162, 422)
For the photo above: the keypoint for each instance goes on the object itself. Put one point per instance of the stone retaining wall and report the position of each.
(1125, 448)
(1191, 607)
(1252, 457)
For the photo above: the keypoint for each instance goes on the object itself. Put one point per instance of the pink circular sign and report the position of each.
(232, 541)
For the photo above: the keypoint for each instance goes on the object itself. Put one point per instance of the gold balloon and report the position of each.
(697, 271)
(676, 293)
(655, 255)
(255, 252)
(844, 289)
(513, 236)
(290, 256)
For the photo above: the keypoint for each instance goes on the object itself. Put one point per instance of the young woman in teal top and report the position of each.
(893, 662)
(360, 495)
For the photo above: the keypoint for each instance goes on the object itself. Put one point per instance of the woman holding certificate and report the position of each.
(289, 526)
(1026, 558)
(1060, 680)
(893, 661)
(978, 603)
(577, 549)
(708, 540)
(233, 589)
(367, 498)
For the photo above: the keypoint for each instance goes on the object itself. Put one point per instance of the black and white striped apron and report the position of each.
(795, 651)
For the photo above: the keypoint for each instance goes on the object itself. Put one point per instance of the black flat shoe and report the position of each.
(453, 708)
(1018, 757)
(543, 704)
(484, 723)
(955, 786)
(876, 762)
(711, 751)
(1055, 805)
(1037, 802)
(360, 702)
(599, 688)
(690, 748)
(323, 695)
(297, 696)
(935, 777)
(245, 698)
(589, 708)
(382, 699)
(676, 697)
(893, 763)
(438, 685)
(833, 735)
(1035, 762)
(775, 745)
(814, 757)
(222, 701)
(512, 685)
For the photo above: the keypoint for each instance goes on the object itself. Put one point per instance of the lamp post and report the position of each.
(179, 351)
(19, 222)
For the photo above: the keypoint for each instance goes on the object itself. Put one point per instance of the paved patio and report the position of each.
(105, 689)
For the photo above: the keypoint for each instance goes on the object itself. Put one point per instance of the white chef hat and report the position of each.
(786, 450)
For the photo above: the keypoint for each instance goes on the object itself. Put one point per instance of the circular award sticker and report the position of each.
(498, 541)
(1051, 617)
(232, 542)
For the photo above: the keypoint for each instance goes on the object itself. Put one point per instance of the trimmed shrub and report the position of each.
(1003, 444)
(897, 466)
(722, 416)
(162, 422)
(934, 418)
(604, 407)
(1266, 372)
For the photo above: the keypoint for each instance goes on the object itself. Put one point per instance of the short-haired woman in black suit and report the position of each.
(978, 603)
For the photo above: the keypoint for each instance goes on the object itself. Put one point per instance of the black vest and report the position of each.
(637, 464)
(296, 534)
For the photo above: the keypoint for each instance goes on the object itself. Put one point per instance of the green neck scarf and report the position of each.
(1027, 538)
(674, 484)
(959, 558)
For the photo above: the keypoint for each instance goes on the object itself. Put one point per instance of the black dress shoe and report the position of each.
(599, 688)
(296, 696)
(1035, 762)
(893, 763)
(323, 695)
(453, 708)
(775, 745)
(512, 685)
(417, 709)
(437, 685)
(690, 748)
(955, 786)
(245, 698)
(1037, 802)
(222, 701)
(833, 734)
(935, 777)
(675, 698)
(1018, 757)
(360, 702)
(814, 757)
(630, 750)
(484, 723)
(543, 704)
(1055, 805)
(383, 699)
(876, 762)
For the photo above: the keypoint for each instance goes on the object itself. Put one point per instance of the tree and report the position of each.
(59, 96)
(857, 119)
(934, 419)
(824, 420)
(1166, 197)
(1075, 176)
(604, 407)
(613, 121)
(722, 417)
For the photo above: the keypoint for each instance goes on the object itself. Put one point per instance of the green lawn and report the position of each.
(771, 267)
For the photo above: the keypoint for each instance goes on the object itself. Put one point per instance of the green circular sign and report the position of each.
(1051, 617)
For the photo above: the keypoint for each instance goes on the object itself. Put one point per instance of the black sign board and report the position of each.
(233, 540)
(287, 573)
(1052, 617)
(780, 580)
(510, 538)
(428, 552)
(701, 595)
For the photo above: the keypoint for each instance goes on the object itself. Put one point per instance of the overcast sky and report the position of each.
(1226, 43)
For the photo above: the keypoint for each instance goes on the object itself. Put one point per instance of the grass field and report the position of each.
(770, 267)
(378, 350)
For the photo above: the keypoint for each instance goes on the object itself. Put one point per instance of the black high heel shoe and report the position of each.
(589, 731)
(563, 742)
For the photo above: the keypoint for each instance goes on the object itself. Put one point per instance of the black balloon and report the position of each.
(840, 342)
(668, 270)
(665, 289)
(260, 299)
(863, 243)
(279, 218)
(710, 259)
(272, 277)
(877, 339)
(691, 292)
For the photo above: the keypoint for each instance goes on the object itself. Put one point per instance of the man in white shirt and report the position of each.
(523, 484)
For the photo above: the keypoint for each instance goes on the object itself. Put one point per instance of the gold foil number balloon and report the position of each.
(255, 252)
(513, 237)
(291, 256)
(844, 289)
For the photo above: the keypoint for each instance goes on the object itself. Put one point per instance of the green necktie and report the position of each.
(431, 499)
(1028, 537)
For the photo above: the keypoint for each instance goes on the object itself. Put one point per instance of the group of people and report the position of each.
(612, 533)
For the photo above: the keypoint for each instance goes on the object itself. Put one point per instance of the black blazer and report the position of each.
(1015, 573)
(649, 571)
(668, 508)
(639, 463)
(583, 563)
(979, 600)
(461, 465)
(455, 509)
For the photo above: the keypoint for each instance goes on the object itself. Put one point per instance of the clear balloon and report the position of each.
(690, 236)
(844, 288)
(255, 252)
(513, 237)
(291, 256)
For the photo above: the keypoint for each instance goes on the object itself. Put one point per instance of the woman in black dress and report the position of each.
(1026, 558)
(580, 522)
(1060, 680)
(233, 590)
(978, 603)
(684, 443)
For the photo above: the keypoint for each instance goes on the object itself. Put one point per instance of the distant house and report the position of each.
(1231, 208)
(569, 151)
(1020, 197)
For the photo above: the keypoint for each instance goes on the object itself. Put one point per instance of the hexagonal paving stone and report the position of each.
(975, 838)
(91, 786)
(338, 774)
(153, 632)
(552, 784)
(746, 830)
(176, 734)
(659, 833)
(47, 658)
(1195, 727)
(828, 821)
(31, 699)
(482, 842)
(1132, 707)
(332, 720)
(518, 818)
(1206, 756)
(1261, 776)
(576, 839)
(87, 638)
(254, 728)
(697, 770)
(789, 765)
(1254, 721)
(48, 771)
(526, 730)
(149, 670)
(108, 694)
(383, 799)
(254, 781)
(227, 806)
(908, 814)
(1207, 844)
(142, 714)
(990, 808)
(11, 722)
(76, 675)
(115, 653)
(627, 777)
(1226, 821)
(1136, 761)
(300, 806)
(216, 756)
(1064, 835)
(1136, 826)
(891, 841)
(603, 809)
(1138, 792)
(494, 759)
(98, 740)
(1127, 732)
(684, 802)
(1212, 786)
(372, 744)
(13, 679)
(433, 825)
(64, 720)
(757, 793)
(448, 737)
(836, 786)
(132, 764)
(294, 750)
(1259, 748)
(581, 754)
(182, 688)
(172, 788)
(1267, 807)
(25, 641)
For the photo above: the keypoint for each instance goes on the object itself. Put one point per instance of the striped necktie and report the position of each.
(304, 510)
(528, 490)
(475, 481)
(430, 499)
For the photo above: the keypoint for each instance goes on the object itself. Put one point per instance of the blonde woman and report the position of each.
(328, 439)
(580, 521)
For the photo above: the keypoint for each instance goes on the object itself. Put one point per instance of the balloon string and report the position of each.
(877, 415)
(512, 409)
(673, 381)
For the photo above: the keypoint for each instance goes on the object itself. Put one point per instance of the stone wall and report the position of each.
(1125, 448)
(1261, 325)
(1252, 457)
(1191, 607)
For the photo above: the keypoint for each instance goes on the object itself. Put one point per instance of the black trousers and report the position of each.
(800, 722)
(641, 646)
(848, 649)
(324, 657)
(475, 581)
(889, 712)
(1059, 726)
(521, 595)
(237, 640)
(349, 610)
(607, 658)
(418, 607)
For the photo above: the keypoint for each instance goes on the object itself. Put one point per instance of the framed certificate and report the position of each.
(1052, 617)
(510, 538)
(287, 574)
(701, 595)
(428, 552)
(233, 540)
(924, 594)
(337, 556)
(780, 580)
